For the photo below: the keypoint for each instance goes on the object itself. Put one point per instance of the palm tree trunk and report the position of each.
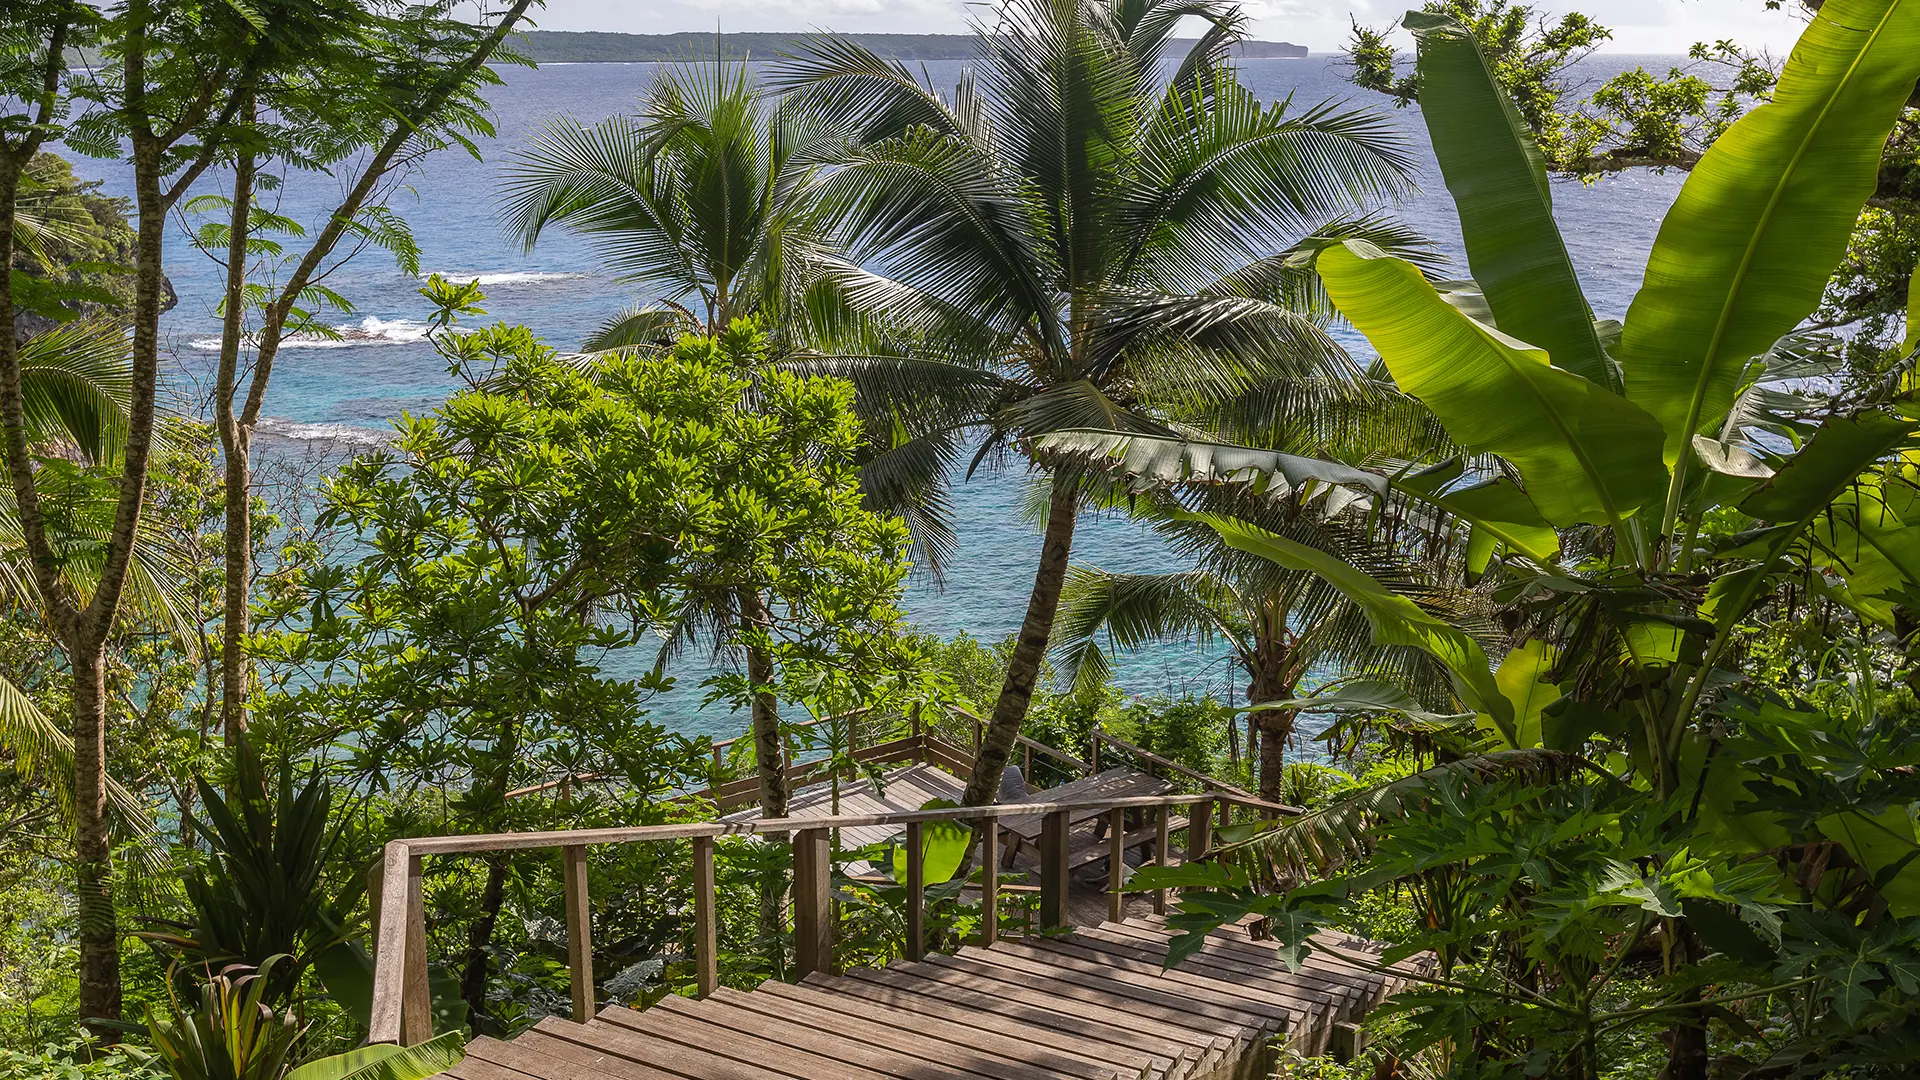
(99, 932)
(1270, 669)
(1023, 670)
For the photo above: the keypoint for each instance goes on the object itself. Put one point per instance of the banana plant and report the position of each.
(1626, 484)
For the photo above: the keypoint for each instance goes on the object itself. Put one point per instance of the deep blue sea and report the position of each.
(343, 393)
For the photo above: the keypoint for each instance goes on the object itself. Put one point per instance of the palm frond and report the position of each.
(1132, 610)
(1318, 843)
(76, 382)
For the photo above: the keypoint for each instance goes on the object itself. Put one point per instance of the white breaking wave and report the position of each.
(279, 427)
(371, 330)
(513, 277)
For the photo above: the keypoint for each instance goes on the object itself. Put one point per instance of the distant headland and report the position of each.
(588, 47)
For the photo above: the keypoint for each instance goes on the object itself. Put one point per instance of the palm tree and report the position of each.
(1072, 240)
(1278, 624)
(694, 197)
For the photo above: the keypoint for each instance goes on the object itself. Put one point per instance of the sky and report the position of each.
(1639, 26)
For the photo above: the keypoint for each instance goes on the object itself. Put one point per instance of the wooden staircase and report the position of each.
(1090, 1004)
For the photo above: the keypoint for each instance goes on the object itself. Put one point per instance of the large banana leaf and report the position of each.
(1765, 216)
(1395, 619)
(1499, 183)
(385, 1061)
(1587, 455)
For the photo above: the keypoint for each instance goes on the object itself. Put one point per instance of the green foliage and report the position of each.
(75, 1061)
(267, 889)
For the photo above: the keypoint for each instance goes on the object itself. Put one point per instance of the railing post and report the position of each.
(1161, 853)
(1116, 864)
(1199, 830)
(416, 994)
(916, 893)
(706, 940)
(579, 930)
(1053, 871)
(812, 901)
(1093, 755)
(989, 881)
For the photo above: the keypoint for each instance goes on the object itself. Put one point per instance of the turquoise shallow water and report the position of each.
(344, 393)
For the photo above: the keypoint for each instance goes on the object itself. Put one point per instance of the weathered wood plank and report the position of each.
(1128, 1064)
(1166, 1008)
(915, 1041)
(1209, 1047)
(954, 1026)
(953, 988)
(729, 1012)
(801, 1063)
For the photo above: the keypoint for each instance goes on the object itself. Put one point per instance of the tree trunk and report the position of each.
(769, 748)
(473, 979)
(1272, 679)
(235, 445)
(1687, 1057)
(99, 933)
(1029, 650)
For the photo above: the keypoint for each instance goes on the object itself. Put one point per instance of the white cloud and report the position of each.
(1639, 26)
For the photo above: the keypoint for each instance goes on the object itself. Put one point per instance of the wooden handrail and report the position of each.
(1241, 794)
(402, 1009)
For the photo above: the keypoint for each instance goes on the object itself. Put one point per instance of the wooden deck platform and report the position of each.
(1093, 1004)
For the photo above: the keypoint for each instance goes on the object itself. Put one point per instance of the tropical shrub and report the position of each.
(1615, 834)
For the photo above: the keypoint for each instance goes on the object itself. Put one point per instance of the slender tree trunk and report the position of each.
(235, 446)
(473, 978)
(99, 932)
(769, 749)
(1271, 671)
(1029, 650)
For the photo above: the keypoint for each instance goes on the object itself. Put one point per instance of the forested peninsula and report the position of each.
(594, 47)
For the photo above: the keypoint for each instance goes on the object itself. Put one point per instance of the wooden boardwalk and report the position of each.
(1091, 1004)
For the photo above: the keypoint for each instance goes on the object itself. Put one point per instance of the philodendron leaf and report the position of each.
(1746, 250)
(1395, 620)
(1498, 181)
(1585, 453)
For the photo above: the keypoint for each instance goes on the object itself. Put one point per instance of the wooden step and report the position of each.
(1096, 1003)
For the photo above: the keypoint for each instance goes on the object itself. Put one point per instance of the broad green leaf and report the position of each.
(1395, 620)
(1359, 695)
(388, 1062)
(1831, 461)
(1765, 216)
(1911, 337)
(1586, 455)
(1498, 180)
(943, 844)
(1496, 506)
(1874, 553)
(1522, 677)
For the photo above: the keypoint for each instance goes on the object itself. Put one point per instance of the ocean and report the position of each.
(343, 394)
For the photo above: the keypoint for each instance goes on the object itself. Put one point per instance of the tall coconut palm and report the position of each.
(1091, 231)
(693, 199)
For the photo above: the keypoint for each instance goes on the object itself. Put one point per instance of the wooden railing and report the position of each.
(402, 1004)
(950, 740)
(1158, 765)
